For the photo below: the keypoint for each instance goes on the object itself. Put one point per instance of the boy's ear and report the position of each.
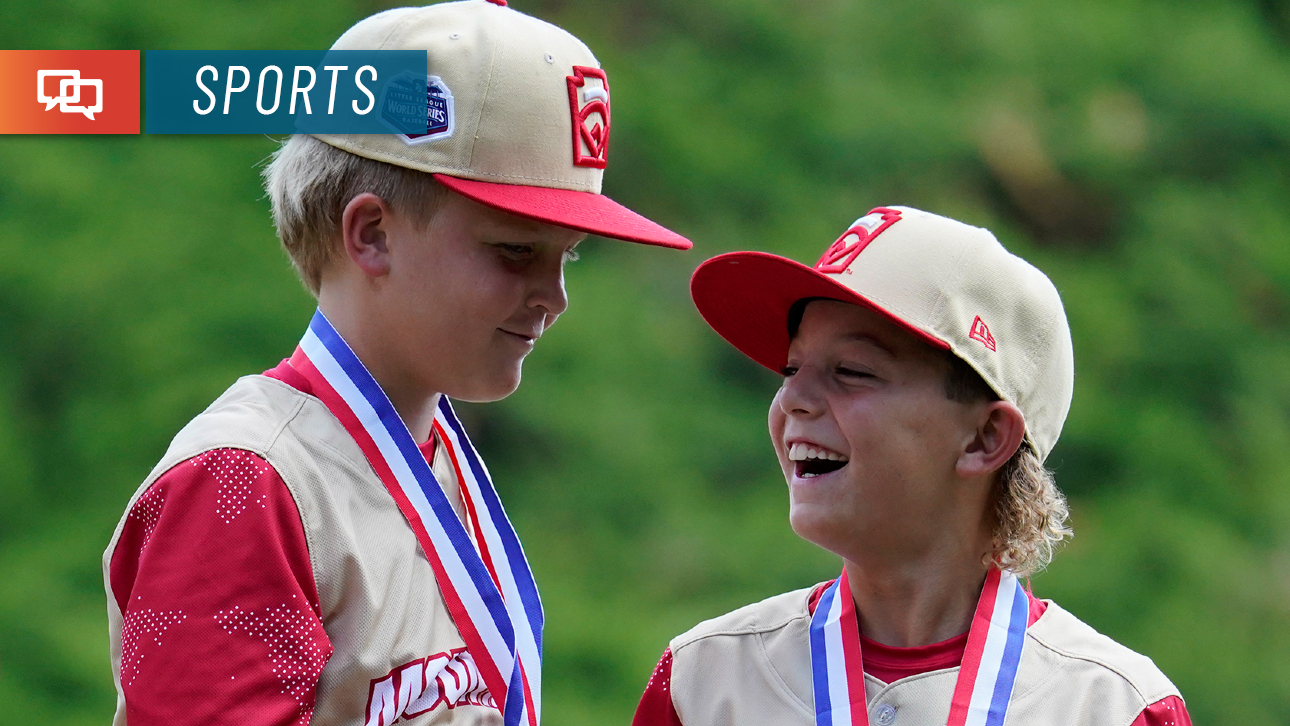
(999, 433)
(364, 225)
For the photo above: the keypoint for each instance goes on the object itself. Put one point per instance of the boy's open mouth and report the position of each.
(811, 461)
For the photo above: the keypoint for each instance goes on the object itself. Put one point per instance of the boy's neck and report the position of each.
(914, 603)
(414, 403)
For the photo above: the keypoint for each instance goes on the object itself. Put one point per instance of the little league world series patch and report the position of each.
(413, 101)
(490, 591)
(986, 675)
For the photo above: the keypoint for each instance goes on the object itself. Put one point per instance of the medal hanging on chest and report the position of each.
(985, 678)
(489, 590)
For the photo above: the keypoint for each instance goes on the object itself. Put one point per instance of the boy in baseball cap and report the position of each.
(927, 375)
(323, 544)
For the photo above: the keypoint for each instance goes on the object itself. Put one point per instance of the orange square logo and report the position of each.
(69, 91)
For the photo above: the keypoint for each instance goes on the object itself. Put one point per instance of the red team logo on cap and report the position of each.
(589, 104)
(839, 256)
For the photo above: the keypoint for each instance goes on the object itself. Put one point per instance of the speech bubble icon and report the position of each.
(41, 96)
(89, 111)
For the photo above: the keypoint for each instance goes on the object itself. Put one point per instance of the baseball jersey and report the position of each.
(262, 574)
(753, 666)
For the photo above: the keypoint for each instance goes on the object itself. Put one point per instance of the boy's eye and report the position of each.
(515, 250)
(789, 371)
(852, 373)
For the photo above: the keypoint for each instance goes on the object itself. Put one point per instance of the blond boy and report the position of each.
(322, 544)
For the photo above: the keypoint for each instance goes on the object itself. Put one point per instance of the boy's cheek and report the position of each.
(775, 420)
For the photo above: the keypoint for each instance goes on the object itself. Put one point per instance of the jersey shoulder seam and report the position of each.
(1105, 663)
(716, 627)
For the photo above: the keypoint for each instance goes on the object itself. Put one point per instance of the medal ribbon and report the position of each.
(986, 675)
(489, 591)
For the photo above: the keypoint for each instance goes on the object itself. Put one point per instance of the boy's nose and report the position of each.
(799, 395)
(549, 294)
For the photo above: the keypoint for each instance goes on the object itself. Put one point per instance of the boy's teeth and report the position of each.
(802, 452)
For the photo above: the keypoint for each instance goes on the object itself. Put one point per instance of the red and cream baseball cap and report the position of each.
(950, 284)
(519, 115)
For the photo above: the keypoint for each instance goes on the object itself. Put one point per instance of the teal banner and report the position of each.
(294, 91)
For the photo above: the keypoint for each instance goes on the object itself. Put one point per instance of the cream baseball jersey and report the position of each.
(350, 629)
(753, 666)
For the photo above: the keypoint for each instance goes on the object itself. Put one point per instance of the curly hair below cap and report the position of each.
(1030, 515)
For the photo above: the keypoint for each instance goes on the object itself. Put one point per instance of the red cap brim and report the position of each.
(746, 297)
(583, 211)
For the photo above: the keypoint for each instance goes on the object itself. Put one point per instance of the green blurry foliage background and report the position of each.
(1137, 151)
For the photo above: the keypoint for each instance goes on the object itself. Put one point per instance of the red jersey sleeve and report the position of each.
(221, 617)
(1168, 711)
(655, 708)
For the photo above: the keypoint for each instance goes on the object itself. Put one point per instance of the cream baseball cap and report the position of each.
(519, 114)
(950, 284)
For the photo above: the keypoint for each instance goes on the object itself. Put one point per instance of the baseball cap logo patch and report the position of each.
(839, 256)
(589, 106)
(403, 110)
(981, 332)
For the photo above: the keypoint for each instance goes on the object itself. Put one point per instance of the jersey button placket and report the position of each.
(885, 714)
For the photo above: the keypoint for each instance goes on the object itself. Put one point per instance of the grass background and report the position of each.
(1137, 151)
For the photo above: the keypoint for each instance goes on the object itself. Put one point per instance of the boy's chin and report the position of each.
(486, 389)
(819, 526)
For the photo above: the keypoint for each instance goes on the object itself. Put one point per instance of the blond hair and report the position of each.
(1030, 512)
(309, 182)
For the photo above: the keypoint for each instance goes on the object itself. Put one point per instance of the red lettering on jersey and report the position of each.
(447, 680)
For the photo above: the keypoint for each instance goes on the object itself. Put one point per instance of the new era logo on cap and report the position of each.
(839, 256)
(981, 332)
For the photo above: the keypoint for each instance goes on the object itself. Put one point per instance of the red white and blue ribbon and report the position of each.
(986, 675)
(489, 591)
(837, 672)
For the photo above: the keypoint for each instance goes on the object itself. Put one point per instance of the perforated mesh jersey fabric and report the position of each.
(378, 599)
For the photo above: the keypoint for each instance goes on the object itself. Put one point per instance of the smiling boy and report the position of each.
(927, 375)
(323, 544)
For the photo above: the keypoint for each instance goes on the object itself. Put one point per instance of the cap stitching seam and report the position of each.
(517, 176)
(488, 87)
(894, 310)
(1045, 343)
(396, 28)
(939, 305)
(438, 168)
